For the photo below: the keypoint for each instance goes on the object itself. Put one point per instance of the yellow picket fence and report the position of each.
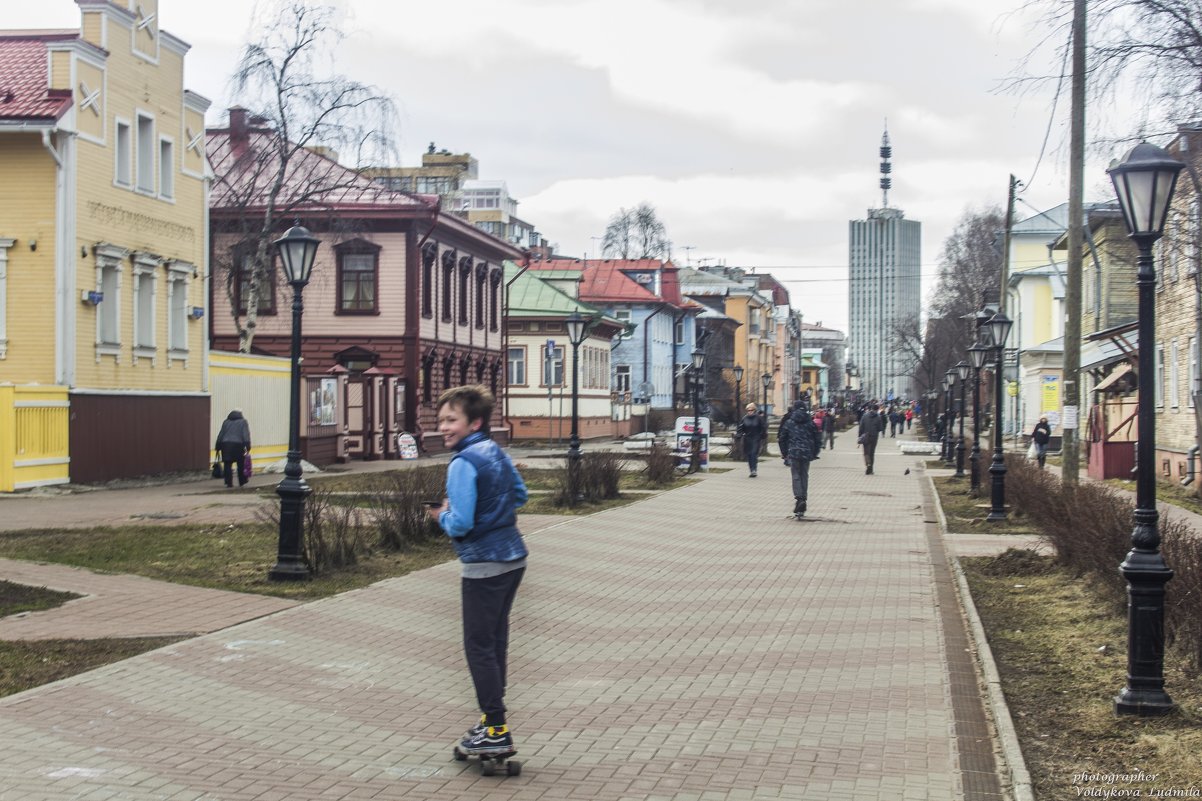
(34, 450)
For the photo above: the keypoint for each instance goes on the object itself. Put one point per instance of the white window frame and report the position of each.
(553, 357)
(123, 161)
(145, 344)
(110, 261)
(1193, 372)
(621, 378)
(511, 362)
(626, 316)
(1174, 375)
(167, 168)
(1159, 375)
(145, 177)
(5, 244)
(178, 310)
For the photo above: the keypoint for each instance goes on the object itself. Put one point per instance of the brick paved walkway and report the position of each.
(696, 645)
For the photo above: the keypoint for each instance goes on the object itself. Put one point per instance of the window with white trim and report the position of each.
(145, 285)
(146, 145)
(625, 316)
(1174, 400)
(178, 308)
(109, 266)
(622, 378)
(1193, 372)
(123, 150)
(516, 367)
(553, 366)
(5, 244)
(166, 169)
(1160, 374)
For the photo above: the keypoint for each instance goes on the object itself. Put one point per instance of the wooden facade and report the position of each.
(126, 436)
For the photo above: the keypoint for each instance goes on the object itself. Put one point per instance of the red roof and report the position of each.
(24, 74)
(606, 280)
(243, 178)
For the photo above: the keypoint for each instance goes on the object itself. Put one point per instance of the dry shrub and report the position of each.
(396, 511)
(593, 477)
(1090, 527)
(333, 530)
(661, 465)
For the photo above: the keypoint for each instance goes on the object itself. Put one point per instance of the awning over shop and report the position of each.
(1121, 379)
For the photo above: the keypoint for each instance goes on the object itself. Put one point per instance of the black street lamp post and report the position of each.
(695, 440)
(949, 416)
(932, 397)
(577, 326)
(297, 249)
(766, 380)
(999, 326)
(736, 449)
(1144, 182)
(962, 370)
(978, 353)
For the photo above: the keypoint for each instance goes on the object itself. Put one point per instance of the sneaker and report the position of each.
(491, 741)
(477, 729)
(868, 472)
(752, 474)
(798, 507)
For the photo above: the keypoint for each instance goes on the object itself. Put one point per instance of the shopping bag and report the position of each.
(217, 471)
(247, 468)
(1032, 452)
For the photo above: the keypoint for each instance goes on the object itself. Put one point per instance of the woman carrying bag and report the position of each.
(233, 443)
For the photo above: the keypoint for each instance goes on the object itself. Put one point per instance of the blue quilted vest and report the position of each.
(494, 536)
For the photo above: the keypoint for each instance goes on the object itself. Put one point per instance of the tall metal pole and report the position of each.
(997, 468)
(574, 438)
(975, 456)
(290, 561)
(960, 442)
(695, 440)
(1144, 568)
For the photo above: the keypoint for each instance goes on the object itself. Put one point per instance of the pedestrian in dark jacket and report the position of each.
(1041, 435)
(233, 443)
(799, 444)
(828, 430)
(752, 429)
(871, 427)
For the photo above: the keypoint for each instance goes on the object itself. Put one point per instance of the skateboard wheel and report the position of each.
(513, 768)
(488, 767)
(459, 755)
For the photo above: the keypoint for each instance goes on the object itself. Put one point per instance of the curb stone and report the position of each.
(1020, 778)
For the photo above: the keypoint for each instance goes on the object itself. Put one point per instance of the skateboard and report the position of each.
(489, 763)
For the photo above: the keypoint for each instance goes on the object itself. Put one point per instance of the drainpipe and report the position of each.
(1190, 455)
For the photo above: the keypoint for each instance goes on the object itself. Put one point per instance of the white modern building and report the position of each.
(884, 292)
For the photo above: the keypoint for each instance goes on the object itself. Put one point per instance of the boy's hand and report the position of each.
(435, 511)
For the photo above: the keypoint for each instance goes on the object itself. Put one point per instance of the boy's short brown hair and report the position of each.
(474, 400)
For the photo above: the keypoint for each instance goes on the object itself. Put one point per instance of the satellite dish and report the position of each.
(646, 389)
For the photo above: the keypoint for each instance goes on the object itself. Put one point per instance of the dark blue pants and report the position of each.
(486, 605)
(751, 446)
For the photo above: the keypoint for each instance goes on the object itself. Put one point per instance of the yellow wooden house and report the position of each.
(102, 251)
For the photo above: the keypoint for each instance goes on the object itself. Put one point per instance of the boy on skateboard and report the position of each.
(479, 514)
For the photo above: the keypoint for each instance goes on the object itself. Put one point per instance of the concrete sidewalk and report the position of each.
(700, 644)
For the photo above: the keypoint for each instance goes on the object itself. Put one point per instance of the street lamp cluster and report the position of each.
(1144, 182)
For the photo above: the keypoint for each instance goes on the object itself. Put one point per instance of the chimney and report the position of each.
(239, 135)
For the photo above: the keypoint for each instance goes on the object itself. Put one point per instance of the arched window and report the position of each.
(494, 301)
(481, 277)
(448, 283)
(465, 275)
(429, 255)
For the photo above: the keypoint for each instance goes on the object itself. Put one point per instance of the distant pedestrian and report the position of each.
(871, 427)
(1041, 435)
(828, 430)
(909, 417)
(752, 429)
(479, 514)
(233, 443)
(799, 443)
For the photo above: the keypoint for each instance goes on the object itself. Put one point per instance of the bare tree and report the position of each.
(970, 264)
(308, 122)
(635, 233)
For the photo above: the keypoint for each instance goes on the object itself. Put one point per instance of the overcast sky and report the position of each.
(751, 125)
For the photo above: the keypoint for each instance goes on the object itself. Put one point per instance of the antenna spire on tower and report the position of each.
(886, 166)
